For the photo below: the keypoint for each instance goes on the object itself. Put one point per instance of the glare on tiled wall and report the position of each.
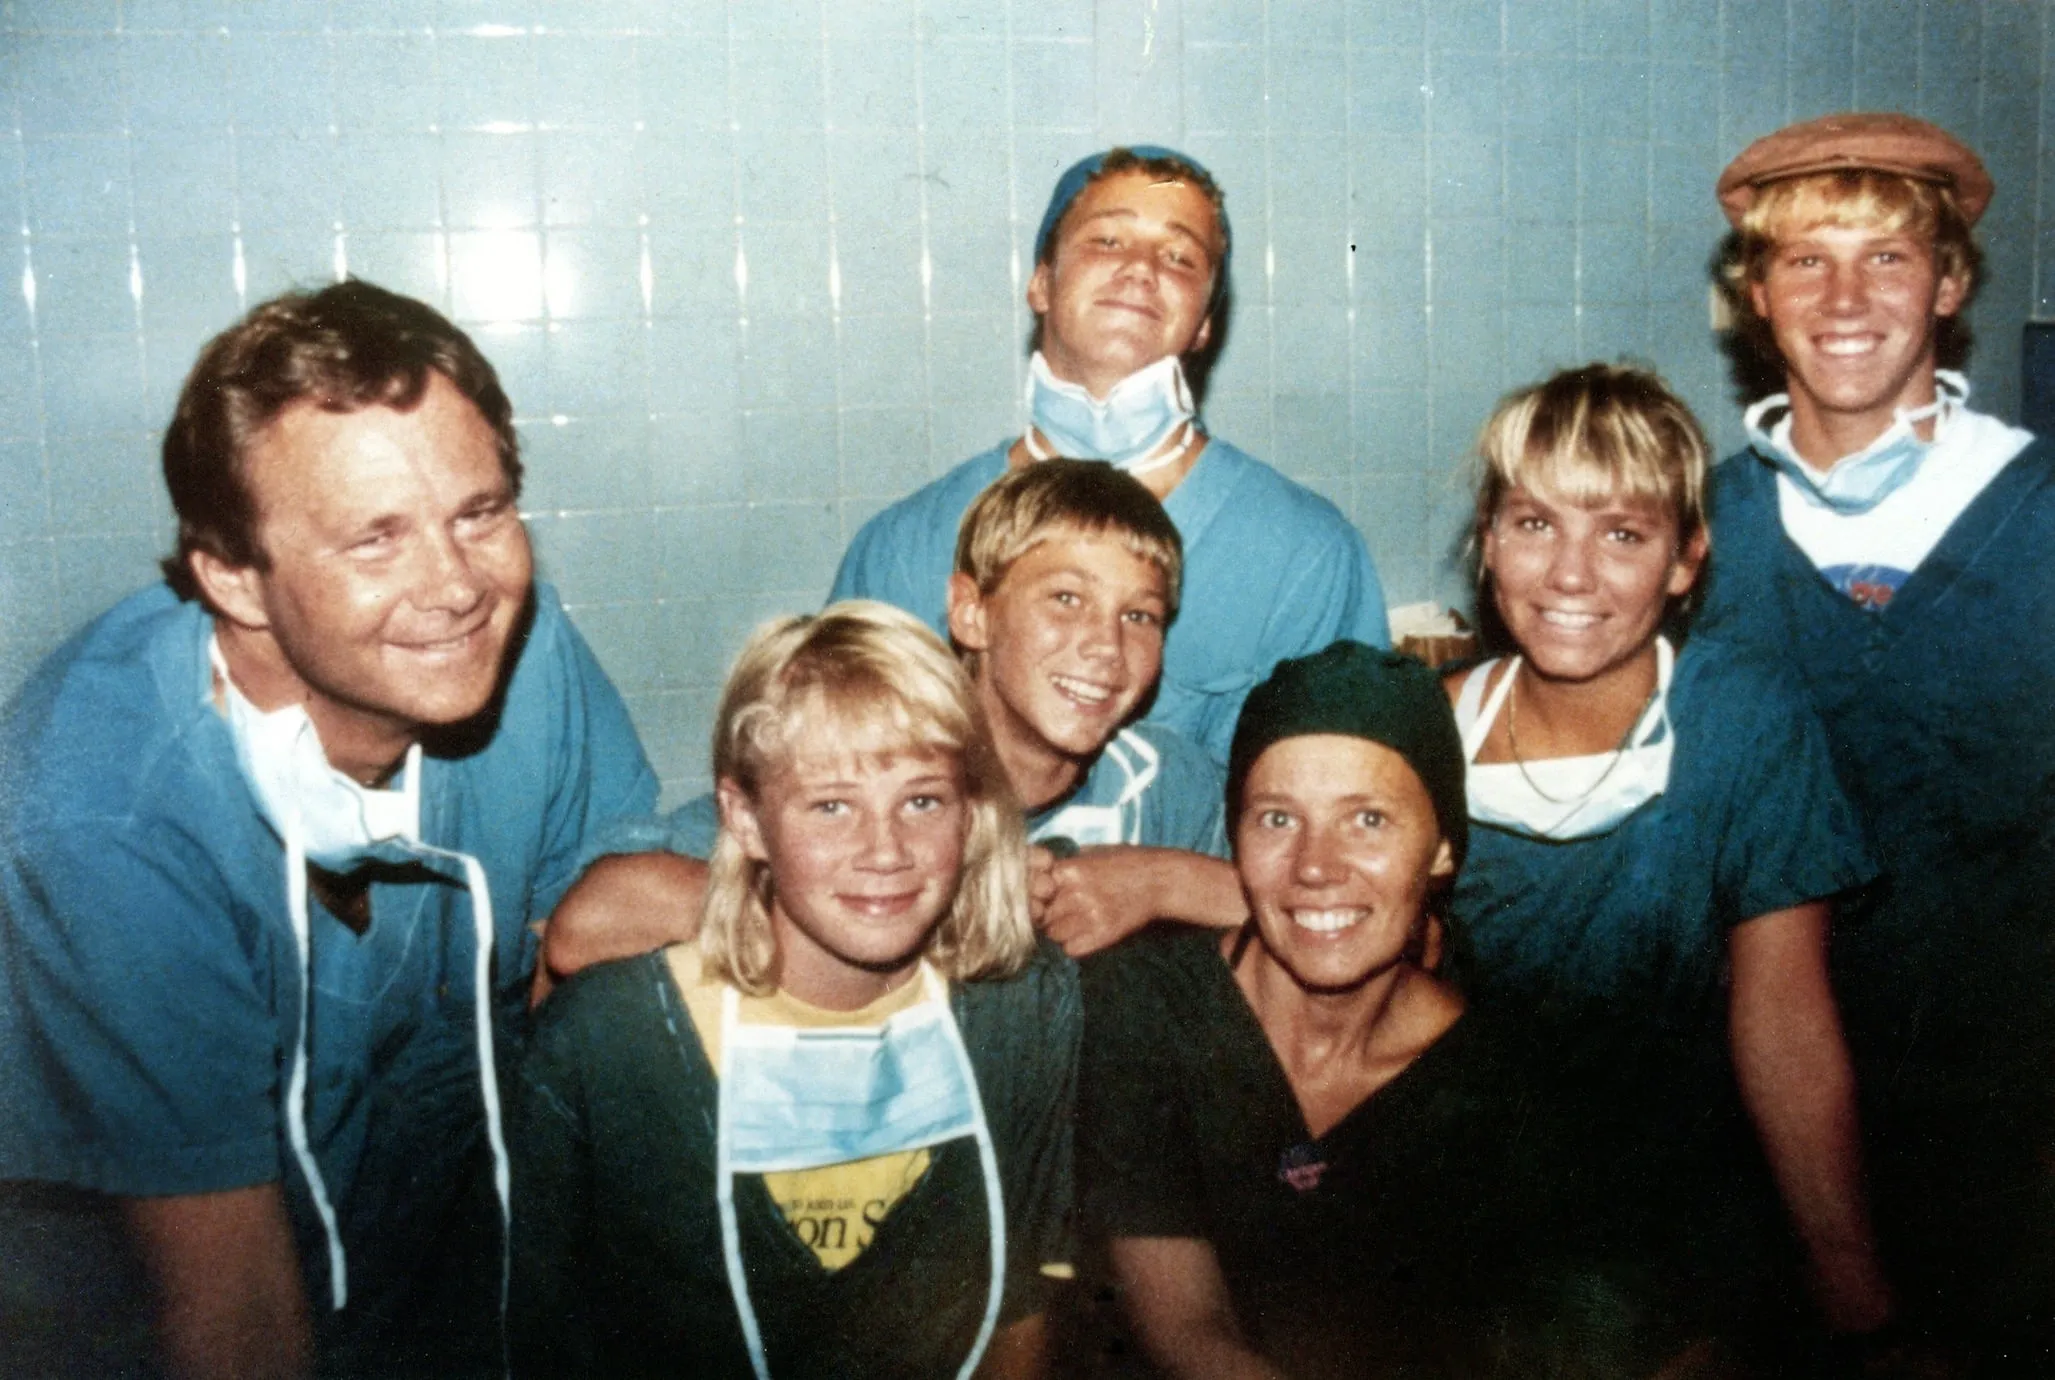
(752, 268)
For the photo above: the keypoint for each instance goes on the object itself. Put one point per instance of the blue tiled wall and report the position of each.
(752, 269)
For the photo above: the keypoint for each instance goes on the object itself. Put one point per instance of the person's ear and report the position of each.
(1038, 289)
(969, 628)
(739, 818)
(234, 591)
(1202, 337)
(1759, 298)
(1689, 562)
(1444, 861)
(1950, 296)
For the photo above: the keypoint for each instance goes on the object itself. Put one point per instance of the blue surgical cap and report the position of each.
(1081, 173)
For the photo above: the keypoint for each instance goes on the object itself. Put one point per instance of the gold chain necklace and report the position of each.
(1513, 741)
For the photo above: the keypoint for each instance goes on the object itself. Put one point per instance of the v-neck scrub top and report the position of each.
(618, 1268)
(1400, 1241)
(1271, 570)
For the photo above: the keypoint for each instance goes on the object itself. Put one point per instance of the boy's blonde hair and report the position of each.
(1863, 198)
(1592, 434)
(883, 684)
(1025, 507)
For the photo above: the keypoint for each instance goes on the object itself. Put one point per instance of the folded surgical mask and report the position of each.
(1562, 798)
(1121, 821)
(327, 818)
(792, 1098)
(1859, 482)
(1126, 428)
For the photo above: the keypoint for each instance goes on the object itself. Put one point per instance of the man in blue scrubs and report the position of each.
(1892, 546)
(272, 838)
(1130, 282)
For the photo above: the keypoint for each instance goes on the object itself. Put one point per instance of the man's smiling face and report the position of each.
(1130, 281)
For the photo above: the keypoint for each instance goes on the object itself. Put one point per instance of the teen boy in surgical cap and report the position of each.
(1130, 281)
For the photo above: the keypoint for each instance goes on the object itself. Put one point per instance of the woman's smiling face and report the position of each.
(1583, 589)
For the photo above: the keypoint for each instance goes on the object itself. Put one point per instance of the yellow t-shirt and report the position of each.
(835, 1209)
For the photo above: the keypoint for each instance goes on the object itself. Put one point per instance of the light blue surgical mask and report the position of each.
(1121, 821)
(1859, 482)
(1128, 428)
(792, 1098)
(335, 822)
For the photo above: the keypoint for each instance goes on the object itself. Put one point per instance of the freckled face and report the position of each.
(1337, 845)
(396, 562)
(1131, 280)
(1583, 590)
(1069, 641)
(1853, 313)
(864, 855)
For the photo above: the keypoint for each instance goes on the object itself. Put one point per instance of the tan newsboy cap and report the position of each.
(1854, 141)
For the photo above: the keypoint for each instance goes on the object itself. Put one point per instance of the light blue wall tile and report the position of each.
(1613, 99)
(409, 261)
(519, 354)
(1540, 339)
(1071, 19)
(1615, 181)
(1312, 263)
(1615, 264)
(963, 83)
(1223, 21)
(777, 85)
(92, 383)
(1224, 88)
(692, 270)
(285, 181)
(1541, 28)
(1307, 89)
(1541, 262)
(621, 636)
(1950, 42)
(1822, 48)
(495, 275)
(184, 184)
(103, 484)
(589, 178)
(790, 454)
(689, 177)
(695, 367)
(1308, 177)
(1466, 101)
(1540, 98)
(1387, 23)
(281, 83)
(1541, 180)
(876, 176)
(484, 80)
(788, 269)
(788, 361)
(885, 20)
(1473, 25)
(69, 84)
(26, 512)
(489, 181)
(586, 463)
(389, 181)
(683, 83)
(588, 556)
(1392, 347)
(581, 81)
(880, 266)
(1310, 350)
(1680, 98)
(597, 367)
(21, 404)
(276, 261)
(880, 360)
(971, 357)
(94, 572)
(592, 274)
(82, 287)
(695, 458)
(784, 173)
(871, 84)
(1387, 92)
(188, 282)
(77, 186)
(1684, 29)
(884, 450)
(387, 81)
(177, 82)
(1468, 178)
(1616, 28)
(778, 20)
(1469, 344)
(1305, 24)
(1887, 53)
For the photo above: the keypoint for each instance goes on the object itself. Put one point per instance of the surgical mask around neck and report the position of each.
(791, 1098)
(1120, 822)
(1859, 482)
(1130, 428)
(1564, 798)
(324, 817)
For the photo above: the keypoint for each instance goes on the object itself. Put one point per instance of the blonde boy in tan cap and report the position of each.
(1893, 546)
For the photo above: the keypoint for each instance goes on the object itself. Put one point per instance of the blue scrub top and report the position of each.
(1937, 713)
(1633, 924)
(1271, 570)
(150, 976)
(1181, 808)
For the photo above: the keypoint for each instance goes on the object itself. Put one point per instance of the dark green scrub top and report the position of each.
(618, 1268)
(1417, 1237)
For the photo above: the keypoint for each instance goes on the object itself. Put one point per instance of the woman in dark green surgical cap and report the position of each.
(1305, 1157)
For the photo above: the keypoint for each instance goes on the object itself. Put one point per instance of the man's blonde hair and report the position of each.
(1592, 434)
(881, 684)
(1026, 507)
